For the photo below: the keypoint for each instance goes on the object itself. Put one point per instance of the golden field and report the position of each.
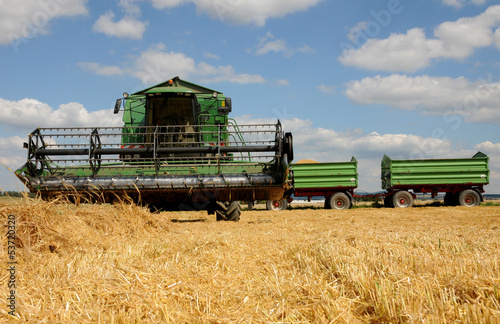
(122, 264)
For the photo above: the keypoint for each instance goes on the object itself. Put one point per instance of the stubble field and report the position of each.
(122, 264)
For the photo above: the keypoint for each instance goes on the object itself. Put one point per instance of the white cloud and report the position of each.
(477, 102)
(23, 20)
(101, 70)
(242, 12)
(497, 38)
(461, 3)
(156, 65)
(211, 56)
(413, 51)
(328, 89)
(282, 83)
(489, 148)
(27, 114)
(127, 27)
(277, 45)
(268, 43)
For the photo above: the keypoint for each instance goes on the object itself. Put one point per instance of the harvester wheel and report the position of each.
(402, 199)
(233, 212)
(228, 211)
(339, 200)
(276, 204)
(469, 198)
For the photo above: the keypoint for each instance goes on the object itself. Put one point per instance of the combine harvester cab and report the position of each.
(462, 180)
(178, 149)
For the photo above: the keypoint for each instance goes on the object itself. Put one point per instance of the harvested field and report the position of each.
(122, 264)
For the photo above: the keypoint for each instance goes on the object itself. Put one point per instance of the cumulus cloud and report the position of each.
(497, 38)
(27, 114)
(156, 64)
(242, 12)
(477, 102)
(489, 148)
(127, 27)
(413, 50)
(23, 20)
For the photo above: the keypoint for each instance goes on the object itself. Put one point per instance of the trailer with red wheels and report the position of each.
(335, 181)
(462, 180)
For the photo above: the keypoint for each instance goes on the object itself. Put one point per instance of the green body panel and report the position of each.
(325, 175)
(442, 172)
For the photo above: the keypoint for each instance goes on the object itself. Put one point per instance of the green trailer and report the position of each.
(335, 181)
(462, 180)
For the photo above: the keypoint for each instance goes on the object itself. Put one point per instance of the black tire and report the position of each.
(233, 212)
(277, 204)
(402, 199)
(388, 202)
(339, 200)
(228, 211)
(220, 216)
(327, 204)
(450, 199)
(469, 198)
(288, 146)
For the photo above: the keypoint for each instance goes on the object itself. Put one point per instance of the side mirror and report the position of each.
(229, 105)
(226, 106)
(118, 105)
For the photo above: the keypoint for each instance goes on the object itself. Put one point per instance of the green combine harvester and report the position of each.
(178, 149)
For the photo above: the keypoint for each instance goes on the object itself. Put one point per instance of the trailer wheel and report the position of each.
(469, 198)
(339, 200)
(276, 204)
(402, 199)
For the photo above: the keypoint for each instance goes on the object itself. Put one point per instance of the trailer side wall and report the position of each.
(439, 172)
(325, 175)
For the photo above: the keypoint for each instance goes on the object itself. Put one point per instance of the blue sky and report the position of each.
(406, 78)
